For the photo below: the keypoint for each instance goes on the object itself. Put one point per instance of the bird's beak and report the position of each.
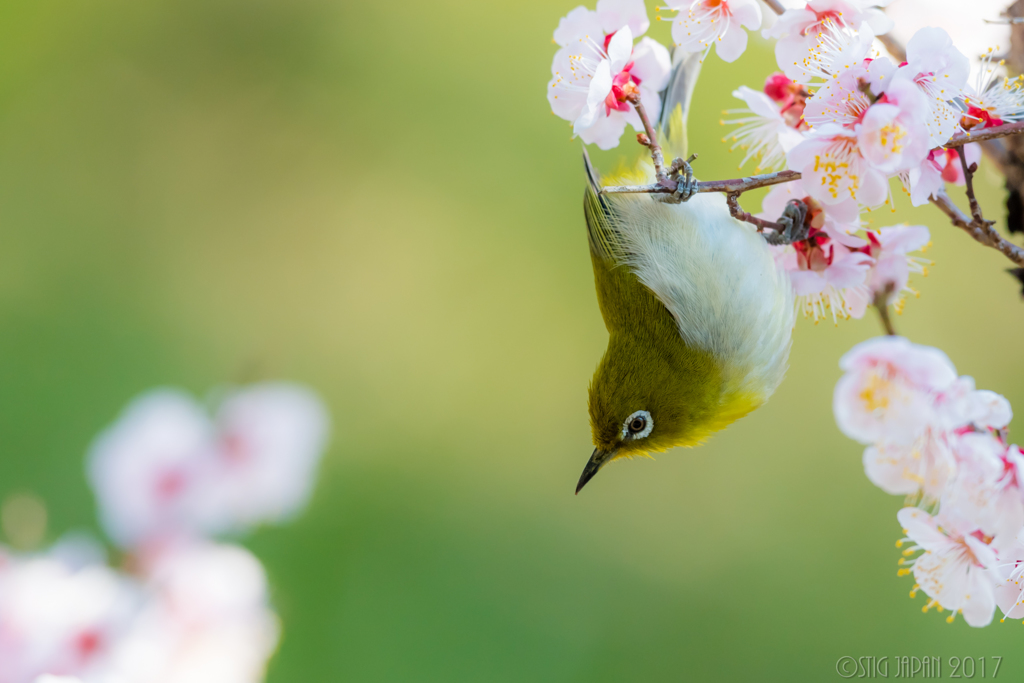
(596, 462)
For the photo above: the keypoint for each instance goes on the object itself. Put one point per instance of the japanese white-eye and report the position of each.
(699, 316)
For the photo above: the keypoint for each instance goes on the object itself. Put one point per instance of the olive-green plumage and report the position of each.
(647, 365)
(699, 317)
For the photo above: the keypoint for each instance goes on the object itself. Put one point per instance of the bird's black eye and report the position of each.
(637, 425)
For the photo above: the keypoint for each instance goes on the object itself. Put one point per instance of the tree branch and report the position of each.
(775, 6)
(881, 303)
(651, 141)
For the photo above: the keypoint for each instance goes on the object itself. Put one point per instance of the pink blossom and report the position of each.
(940, 71)
(702, 24)
(833, 164)
(166, 470)
(841, 100)
(892, 266)
(147, 467)
(892, 135)
(955, 566)
(941, 166)
(802, 31)
(765, 132)
(991, 98)
(926, 465)
(207, 618)
(886, 393)
(58, 618)
(270, 438)
(594, 77)
(986, 490)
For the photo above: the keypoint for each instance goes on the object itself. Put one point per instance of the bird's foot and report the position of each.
(686, 184)
(793, 222)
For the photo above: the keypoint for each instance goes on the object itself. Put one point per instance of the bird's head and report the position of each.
(648, 397)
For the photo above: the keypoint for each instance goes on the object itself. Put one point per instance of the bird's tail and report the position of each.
(675, 100)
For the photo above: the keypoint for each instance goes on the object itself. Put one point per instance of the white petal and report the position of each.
(614, 14)
(652, 64)
(731, 44)
(577, 25)
(620, 49)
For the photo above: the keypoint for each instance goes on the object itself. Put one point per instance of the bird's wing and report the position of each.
(676, 99)
(600, 217)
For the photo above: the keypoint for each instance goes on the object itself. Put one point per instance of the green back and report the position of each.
(647, 365)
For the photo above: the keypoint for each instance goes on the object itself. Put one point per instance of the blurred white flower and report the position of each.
(269, 440)
(56, 619)
(164, 469)
(206, 619)
(146, 468)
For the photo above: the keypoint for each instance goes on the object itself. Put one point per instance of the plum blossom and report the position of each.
(801, 31)
(269, 441)
(842, 100)
(941, 166)
(886, 393)
(940, 71)
(955, 567)
(166, 470)
(889, 248)
(892, 134)
(702, 24)
(206, 619)
(835, 169)
(926, 465)
(992, 98)
(767, 130)
(59, 619)
(597, 69)
(986, 490)
(828, 270)
(147, 467)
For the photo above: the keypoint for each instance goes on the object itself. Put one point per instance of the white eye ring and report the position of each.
(647, 428)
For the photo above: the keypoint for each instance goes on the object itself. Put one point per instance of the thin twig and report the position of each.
(775, 6)
(734, 185)
(652, 139)
(983, 234)
(893, 46)
(992, 133)
(881, 303)
(969, 181)
(732, 199)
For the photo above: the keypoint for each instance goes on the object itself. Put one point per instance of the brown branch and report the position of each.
(732, 199)
(652, 139)
(881, 303)
(983, 232)
(734, 185)
(992, 133)
(775, 6)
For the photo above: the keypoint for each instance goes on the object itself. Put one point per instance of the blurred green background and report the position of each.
(374, 199)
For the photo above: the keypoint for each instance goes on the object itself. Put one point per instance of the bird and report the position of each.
(699, 316)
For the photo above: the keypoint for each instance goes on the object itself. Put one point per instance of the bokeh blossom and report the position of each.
(167, 469)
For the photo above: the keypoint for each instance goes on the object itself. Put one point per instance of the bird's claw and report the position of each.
(793, 222)
(686, 186)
